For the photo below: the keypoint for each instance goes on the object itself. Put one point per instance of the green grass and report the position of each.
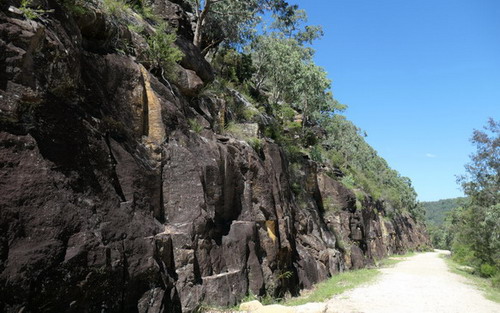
(483, 284)
(336, 285)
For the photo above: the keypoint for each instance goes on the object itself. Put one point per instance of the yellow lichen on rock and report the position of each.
(385, 233)
(155, 129)
(271, 229)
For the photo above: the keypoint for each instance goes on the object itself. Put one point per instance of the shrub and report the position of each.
(487, 270)
(116, 8)
(162, 52)
(495, 280)
(293, 152)
(195, 125)
(348, 181)
(463, 254)
(316, 154)
(255, 143)
(29, 11)
(146, 11)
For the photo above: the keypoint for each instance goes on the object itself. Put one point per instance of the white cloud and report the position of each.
(430, 155)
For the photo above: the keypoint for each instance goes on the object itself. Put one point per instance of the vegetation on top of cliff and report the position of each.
(233, 22)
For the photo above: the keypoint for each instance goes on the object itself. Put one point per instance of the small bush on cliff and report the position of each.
(162, 52)
(195, 125)
(29, 11)
(117, 8)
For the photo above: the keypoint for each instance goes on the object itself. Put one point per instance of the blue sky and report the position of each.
(418, 77)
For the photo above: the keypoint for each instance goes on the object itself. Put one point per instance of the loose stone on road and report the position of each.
(420, 284)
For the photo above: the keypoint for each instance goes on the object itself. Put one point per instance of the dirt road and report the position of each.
(420, 284)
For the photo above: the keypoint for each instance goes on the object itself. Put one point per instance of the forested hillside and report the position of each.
(436, 211)
(159, 156)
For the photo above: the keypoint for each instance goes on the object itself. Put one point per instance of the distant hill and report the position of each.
(435, 211)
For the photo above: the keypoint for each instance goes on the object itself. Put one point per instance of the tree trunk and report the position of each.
(201, 14)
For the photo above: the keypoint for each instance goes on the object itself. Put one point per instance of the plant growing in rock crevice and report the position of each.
(29, 11)
(162, 52)
(195, 125)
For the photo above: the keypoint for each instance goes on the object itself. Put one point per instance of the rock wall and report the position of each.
(110, 203)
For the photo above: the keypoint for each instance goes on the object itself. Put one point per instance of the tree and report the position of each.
(285, 69)
(289, 23)
(230, 20)
(482, 181)
(477, 236)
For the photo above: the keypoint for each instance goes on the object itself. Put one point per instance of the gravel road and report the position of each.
(421, 284)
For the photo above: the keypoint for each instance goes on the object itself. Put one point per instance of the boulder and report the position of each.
(188, 82)
(193, 60)
(250, 306)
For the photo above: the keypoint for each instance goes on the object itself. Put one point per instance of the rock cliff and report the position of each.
(109, 202)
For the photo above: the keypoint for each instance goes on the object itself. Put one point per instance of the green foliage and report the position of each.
(286, 70)
(116, 8)
(162, 52)
(136, 28)
(233, 66)
(231, 22)
(29, 11)
(255, 143)
(436, 211)
(348, 181)
(195, 125)
(438, 225)
(239, 105)
(488, 270)
(146, 11)
(438, 236)
(316, 153)
(476, 235)
(482, 181)
(495, 280)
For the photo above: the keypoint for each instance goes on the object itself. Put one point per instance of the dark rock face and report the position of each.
(108, 203)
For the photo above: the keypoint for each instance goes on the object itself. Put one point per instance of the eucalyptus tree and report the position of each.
(233, 21)
(477, 240)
